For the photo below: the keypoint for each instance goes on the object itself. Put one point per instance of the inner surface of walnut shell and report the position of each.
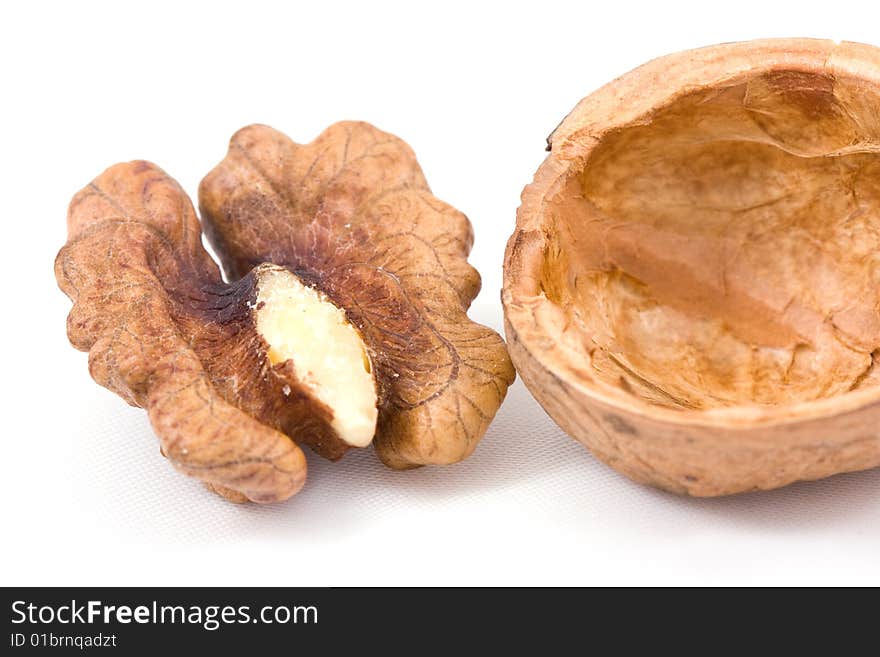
(726, 251)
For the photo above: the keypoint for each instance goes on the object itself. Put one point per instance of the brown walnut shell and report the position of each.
(693, 286)
(352, 216)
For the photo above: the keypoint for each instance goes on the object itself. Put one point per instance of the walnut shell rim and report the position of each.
(701, 451)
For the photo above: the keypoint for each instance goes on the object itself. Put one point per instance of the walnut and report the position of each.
(343, 322)
(693, 286)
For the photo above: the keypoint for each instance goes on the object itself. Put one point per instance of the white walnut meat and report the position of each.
(343, 322)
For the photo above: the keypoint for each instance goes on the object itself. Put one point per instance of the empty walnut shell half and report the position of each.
(693, 286)
(343, 321)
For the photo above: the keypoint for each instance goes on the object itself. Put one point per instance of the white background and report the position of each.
(474, 88)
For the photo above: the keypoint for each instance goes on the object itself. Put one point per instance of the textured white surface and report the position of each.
(87, 499)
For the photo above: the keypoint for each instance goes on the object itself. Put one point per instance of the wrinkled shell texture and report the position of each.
(693, 286)
(349, 213)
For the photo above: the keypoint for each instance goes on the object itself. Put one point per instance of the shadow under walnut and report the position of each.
(693, 286)
(344, 322)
